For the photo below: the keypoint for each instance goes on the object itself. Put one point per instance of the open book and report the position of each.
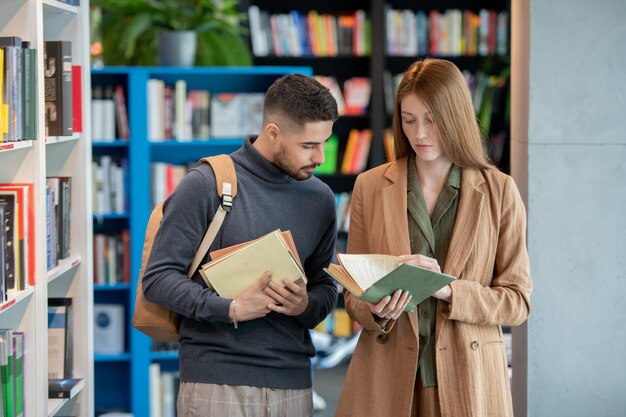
(238, 267)
(371, 277)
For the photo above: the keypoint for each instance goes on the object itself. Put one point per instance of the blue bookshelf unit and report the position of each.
(122, 381)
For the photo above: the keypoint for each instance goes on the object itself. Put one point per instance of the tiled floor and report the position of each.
(328, 383)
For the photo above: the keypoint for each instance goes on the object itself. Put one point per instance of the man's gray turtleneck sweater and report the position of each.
(272, 351)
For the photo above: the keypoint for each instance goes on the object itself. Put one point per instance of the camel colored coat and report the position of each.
(487, 254)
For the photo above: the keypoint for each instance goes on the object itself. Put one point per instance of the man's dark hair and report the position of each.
(299, 99)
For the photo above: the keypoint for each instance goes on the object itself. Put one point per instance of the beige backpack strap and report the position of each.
(225, 175)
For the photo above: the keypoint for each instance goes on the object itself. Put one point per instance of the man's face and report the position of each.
(299, 153)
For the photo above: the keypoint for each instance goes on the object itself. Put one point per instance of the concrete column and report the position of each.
(569, 158)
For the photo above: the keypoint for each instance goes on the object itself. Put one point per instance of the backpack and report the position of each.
(157, 321)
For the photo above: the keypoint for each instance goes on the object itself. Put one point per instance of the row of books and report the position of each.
(338, 324)
(12, 373)
(111, 258)
(174, 113)
(58, 219)
(478, 83)
(109, 114)
(309, 34)
(17, 237)
(354, 98)
(18, 90)
(453, 32)
(109, 176)
(355, 153)
(165, 178)
(61, 381)
(164, 387)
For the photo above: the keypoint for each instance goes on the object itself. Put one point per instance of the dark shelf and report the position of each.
(342, 66)
(339, 183)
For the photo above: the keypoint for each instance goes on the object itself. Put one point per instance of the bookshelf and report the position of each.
(122, 381)
(380, 62)
(31, 162)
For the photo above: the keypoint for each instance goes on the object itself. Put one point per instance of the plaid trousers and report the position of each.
(213, 400)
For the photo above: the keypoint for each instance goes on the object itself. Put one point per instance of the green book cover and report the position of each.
(6, 372)
(331, 148)
(18, 354)
(372, 277)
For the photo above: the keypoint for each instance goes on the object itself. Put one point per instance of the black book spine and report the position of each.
(58, 87)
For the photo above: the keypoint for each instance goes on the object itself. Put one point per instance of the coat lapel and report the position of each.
(464, 233)
(466, 224)
(394, 203)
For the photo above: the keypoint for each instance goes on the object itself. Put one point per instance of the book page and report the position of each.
(369, 268)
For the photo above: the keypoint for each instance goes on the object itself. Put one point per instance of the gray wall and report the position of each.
(569, 157)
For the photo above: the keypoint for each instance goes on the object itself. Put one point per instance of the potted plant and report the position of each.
(134, 30)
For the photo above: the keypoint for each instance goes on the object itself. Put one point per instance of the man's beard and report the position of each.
(282, 161)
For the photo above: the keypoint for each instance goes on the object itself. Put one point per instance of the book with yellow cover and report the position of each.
(230, 274)
(371, 277)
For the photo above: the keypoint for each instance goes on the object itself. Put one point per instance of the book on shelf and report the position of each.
(58, 87)
(370, 277)
(63, 387)
(331, 149)
(60, 189)
(7, 372)
(12, 94)
(102, 114)
(356, 93)
(60, 338)
(25, 232)
(11, 253)
(77, 99)
(29, 92)
(121, 113)
(226, 115)
(4, 109)
(108, 331)
(3, 247)
(18, 370)
(236, 268)
(357, 151)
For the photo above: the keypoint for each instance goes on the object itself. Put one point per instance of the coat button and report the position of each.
(382, 338)
(475, 345)
(424, 313)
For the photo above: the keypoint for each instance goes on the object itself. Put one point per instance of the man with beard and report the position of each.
(251, 355)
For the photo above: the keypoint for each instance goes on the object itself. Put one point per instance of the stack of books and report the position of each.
(235, 268)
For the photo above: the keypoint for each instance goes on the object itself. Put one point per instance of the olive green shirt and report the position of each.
(430, 237)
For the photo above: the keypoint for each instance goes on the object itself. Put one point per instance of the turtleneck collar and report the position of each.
(251, 159)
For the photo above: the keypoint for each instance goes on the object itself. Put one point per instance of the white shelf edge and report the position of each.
(60, 7)
(12, 146)
(22, 295)
(55, 404)
(61, 139)
(64, 266)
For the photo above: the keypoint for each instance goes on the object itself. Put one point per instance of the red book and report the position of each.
(26, 218)
(77, 99)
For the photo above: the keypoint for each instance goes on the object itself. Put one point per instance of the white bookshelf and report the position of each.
(31, 162)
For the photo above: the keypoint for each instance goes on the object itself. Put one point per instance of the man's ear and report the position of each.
(272, 131)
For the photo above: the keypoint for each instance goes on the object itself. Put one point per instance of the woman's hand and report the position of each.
(422, 261)
(390, 307)
(444, 294)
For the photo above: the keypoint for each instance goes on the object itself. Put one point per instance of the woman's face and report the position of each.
(420, 129)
